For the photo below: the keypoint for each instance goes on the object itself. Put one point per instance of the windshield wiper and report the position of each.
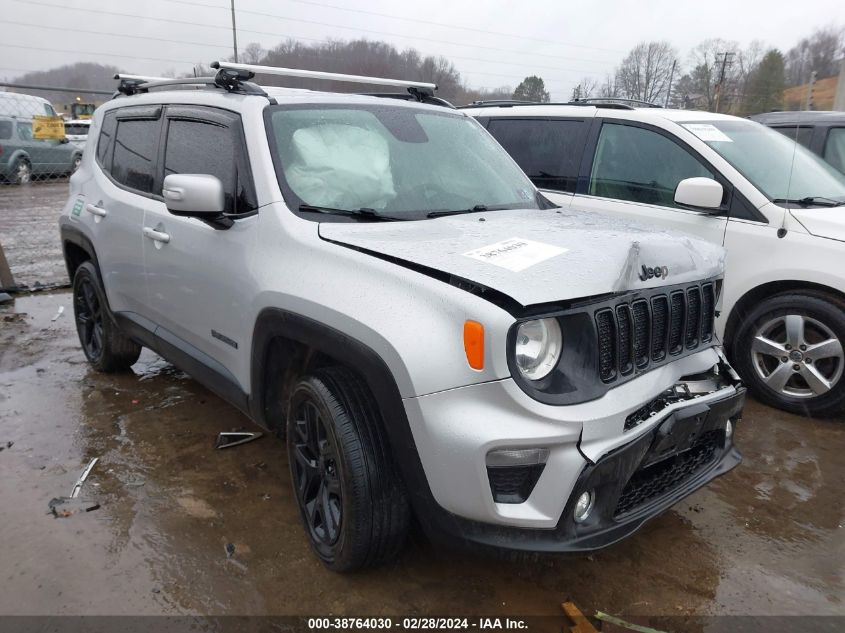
(364, 212)
(476, 209)
(815, 201)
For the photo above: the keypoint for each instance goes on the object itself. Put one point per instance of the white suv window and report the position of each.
(640, 165)
(834, 148)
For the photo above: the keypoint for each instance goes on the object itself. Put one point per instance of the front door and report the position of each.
(200, 291)
(634, 173)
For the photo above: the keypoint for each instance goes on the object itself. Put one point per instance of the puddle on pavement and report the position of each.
(765, 539)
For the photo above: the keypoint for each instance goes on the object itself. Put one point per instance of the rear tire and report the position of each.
(789, 350)
(352, 501)
(105, 346)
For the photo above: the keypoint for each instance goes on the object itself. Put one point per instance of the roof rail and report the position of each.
(492, 103)
(614, 100)
(418, 89)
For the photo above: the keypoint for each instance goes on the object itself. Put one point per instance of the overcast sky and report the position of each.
(492, 43)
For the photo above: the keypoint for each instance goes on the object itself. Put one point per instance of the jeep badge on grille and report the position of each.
(657, 271)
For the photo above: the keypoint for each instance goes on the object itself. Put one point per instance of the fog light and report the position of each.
(584, 506)
(729, 429)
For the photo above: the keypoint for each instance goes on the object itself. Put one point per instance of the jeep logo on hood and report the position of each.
(656, 271)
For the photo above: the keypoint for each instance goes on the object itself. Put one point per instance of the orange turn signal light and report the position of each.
(474, 344)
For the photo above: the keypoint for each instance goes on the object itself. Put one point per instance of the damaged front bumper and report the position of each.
(671, 446)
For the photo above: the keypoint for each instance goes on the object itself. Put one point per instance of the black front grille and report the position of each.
(606, 326)
(623, 320)
(643, 331)
(656, 480)
(707, 306)
(659, 327)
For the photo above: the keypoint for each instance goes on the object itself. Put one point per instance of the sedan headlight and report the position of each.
(538, 347)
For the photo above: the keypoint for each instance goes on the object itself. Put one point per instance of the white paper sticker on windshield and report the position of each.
(707, 132)
(515, 254)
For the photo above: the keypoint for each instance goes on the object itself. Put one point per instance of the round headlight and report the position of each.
(538, 347)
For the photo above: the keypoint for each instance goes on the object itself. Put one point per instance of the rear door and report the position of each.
(199, 281)
(632, 171)
(125, 186)
(548, 149)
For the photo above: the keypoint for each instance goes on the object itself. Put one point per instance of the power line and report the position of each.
(313, 22)
(78, 52)
(408, 19)
(120, 35)
(275, 35)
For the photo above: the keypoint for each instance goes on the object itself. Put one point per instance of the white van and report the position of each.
(14, 104)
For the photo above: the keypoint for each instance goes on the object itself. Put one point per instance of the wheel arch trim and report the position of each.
(275, 323)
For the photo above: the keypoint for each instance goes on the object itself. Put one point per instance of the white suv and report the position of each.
(374, 279)
(769, 201)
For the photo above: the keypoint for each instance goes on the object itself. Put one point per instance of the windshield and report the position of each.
(76, 129)
(774, 163)
(395, 160)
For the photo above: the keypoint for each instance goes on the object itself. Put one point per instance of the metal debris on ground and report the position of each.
(604, 617)
(74, 493)
(59, 313)
(63, 507)
(227, 439)
(580, 622)
(230, 550)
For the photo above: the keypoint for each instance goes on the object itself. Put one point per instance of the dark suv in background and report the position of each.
(820, 132)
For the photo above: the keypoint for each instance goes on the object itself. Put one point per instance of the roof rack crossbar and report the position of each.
(423, 87)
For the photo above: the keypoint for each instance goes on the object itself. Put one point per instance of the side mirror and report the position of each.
(699, 193)
(197, 195)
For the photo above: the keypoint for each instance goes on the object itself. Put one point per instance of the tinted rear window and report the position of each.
(105, 142)
(133, 162)
(549, 151)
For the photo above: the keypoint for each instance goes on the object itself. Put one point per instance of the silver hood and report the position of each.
(538, 256)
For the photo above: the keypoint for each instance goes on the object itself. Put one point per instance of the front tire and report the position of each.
(105, 346)
(22, 172)
(353, 505)
(789, 350)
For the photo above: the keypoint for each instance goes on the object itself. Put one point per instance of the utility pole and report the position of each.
(234, 33)
(671, 77)
(719, 85)
(810, 87)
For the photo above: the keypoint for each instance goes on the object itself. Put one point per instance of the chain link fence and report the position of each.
(39, 150)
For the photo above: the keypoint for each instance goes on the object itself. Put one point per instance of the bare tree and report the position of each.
(585, 89)
(252, 54)
(820, 52)
(644, 73)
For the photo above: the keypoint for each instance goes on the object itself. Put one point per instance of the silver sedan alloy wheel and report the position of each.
(797, 356)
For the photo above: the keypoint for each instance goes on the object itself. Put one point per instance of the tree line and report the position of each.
(716, 75)
(720, 75)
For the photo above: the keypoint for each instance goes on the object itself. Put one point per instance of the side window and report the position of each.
(834, 148)
(134, 158)
(636, 164)
(5, 130)
(204, 147)
(25, 131)
(548, 151)
(801, 135)
(104, 143)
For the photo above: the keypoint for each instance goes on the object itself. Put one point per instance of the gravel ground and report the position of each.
(29, 232)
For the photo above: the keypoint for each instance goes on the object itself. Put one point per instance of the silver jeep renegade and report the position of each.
(374, 279)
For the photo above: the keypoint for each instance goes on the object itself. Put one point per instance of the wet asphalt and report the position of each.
(767, 538)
